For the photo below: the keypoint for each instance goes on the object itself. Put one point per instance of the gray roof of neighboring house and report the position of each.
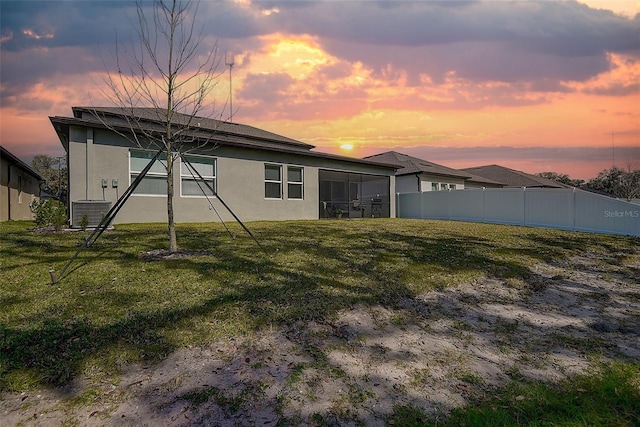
(513, 178)
(210, 130)
(412, 165)
(4, 153)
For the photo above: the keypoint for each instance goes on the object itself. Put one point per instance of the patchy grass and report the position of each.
(610, 396)
(116, 308)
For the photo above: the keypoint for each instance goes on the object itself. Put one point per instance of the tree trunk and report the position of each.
(173, 242)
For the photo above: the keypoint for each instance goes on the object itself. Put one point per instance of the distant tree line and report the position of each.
(615, 182)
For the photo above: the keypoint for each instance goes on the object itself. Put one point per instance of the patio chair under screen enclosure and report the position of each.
(353, 195)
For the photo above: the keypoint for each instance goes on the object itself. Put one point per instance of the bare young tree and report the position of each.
(162, 86)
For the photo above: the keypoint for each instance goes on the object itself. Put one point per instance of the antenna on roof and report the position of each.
(229, 63)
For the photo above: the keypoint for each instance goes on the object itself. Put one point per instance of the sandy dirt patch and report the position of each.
(436, 351)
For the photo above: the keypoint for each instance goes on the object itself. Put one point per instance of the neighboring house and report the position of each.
(19, 186)
(513, 178)
(259, 174)
(416, 175)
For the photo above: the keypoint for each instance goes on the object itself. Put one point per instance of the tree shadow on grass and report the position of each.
(319, 270)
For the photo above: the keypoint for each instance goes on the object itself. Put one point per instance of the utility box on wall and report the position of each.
(94, 209)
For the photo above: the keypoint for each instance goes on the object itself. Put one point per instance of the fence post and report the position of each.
(573, 209)
(524, 205)
(483, 205)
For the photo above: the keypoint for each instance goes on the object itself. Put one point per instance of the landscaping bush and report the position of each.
(84, 222)
(49, 213)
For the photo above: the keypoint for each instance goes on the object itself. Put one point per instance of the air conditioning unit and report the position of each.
(94, 209)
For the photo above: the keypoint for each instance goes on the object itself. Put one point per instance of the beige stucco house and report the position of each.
(19, 186)
(259, 174)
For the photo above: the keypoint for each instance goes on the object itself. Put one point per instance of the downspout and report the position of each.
(68, 194)
(9, 192)
(88, 165)
(419, 183)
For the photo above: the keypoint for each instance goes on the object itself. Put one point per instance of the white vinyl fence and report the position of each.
(568, 209)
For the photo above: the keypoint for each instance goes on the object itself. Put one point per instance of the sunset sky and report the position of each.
(532, 85)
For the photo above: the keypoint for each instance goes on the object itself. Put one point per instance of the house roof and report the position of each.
(210, 130)
(158, 116)
(6, 154)
(513, 178)
(411, 165)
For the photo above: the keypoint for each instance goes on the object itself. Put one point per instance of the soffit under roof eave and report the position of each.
(62, 130)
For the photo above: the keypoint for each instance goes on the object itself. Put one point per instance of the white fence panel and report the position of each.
(411, 207)
(596, 213)
(549, 207)
(504, 205)
(436, 206)
(467, 205)
(554, 208)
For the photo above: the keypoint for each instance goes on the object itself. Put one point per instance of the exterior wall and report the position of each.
(18, 188)
(97, 155)
(426, 182)
(407, 184)
(423, 182)
(4, 189)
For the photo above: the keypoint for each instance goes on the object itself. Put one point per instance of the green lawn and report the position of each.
(115, 308)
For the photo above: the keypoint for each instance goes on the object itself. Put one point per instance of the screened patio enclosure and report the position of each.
(353, 195)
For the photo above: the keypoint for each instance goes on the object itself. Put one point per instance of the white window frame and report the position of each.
(149, 174)
(296, 183)
(272, 181)
(434, 186)
(186, 174)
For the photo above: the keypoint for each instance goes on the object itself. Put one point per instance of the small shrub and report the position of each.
(84, 222)
(49, 213)
(59, 216)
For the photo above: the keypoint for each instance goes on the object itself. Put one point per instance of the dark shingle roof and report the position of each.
(513, 178)
(412, 165)
(13, 159)
(157, 116)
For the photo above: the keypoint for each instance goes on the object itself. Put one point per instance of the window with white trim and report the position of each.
(295, 182)
(443, 187)
(155, 181)
(272, 181)
(190, 182)
(434, 186)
